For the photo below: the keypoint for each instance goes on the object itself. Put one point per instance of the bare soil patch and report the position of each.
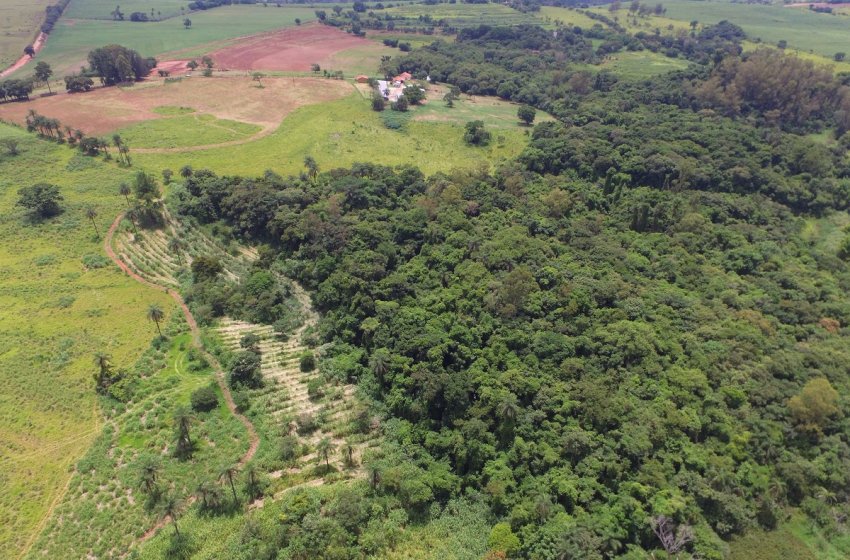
(292, 49)
(236, 98)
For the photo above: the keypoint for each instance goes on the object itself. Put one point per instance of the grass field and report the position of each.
(804, 30)
(20, 22)
(186, 130)
(102, 9)
(103, 512)
(796, 539)
(69, 44)
(342, 132)
(567, 17)
(464, 15)
(56, 313)
(494, 112)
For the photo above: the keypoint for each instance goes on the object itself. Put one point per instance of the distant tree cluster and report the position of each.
(15, 90)
(115, 64)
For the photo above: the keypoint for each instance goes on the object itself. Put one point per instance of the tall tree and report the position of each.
(124, 190)
(176, 247)
(182, 423)
(227, 474)
(324, 450)
(312, 167)
(171, 506)
(91, 214)
(43, 73)
(156, 314)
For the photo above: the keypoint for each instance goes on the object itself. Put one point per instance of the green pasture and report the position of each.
(71, 40)
(796, 539)
(102, 9)
(804, 30)
(641, 65)
(20, 22)
(463, 15)
(494, 112)
(342, 132)
(62, 301)
(186, 130)
(104, 511)
(567, 16)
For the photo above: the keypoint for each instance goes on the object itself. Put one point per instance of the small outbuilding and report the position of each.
(361, 79)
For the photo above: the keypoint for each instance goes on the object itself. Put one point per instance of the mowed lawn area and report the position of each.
(20, 22)
(339, 133)
(61, 301)
(72, 39)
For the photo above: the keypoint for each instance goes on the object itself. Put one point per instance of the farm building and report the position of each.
(361, 79)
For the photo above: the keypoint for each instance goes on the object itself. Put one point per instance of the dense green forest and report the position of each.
(626, 340)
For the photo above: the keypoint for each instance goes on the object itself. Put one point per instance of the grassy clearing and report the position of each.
(20, 22)
(104, 511)
(71, 40)
(343, 132)
(57, 313)
(567, 16)
(640, 65)
(495, 112)
(796, 539)
(464, 15)
(187, 130)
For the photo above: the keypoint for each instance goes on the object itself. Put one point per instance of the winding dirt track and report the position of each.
(21, 62)
(196, 338)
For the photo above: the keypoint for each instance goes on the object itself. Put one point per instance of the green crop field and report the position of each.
(62, 301)
(567, 17)
(71, 40)
(20, 22)
(186, 130)
(340, 133)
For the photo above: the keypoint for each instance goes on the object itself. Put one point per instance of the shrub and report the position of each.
(204, 399)
(308, 362)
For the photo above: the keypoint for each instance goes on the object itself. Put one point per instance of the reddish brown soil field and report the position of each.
(237, 98)
(292, 49)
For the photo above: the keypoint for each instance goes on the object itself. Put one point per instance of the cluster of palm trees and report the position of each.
(123, 150)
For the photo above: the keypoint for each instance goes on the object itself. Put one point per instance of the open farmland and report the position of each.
(20, 22)
(342, 132)
(463, 15)
(106, 110)
(805, 30)
(62, 301)
(71, 40)
(297, 48)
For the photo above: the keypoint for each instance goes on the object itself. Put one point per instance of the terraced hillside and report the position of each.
(301, 403)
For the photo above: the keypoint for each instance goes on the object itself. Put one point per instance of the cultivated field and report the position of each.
(62, 301)
(296, 49)
(20, 22)
(464, 15)
(108, 109)
(71, 40)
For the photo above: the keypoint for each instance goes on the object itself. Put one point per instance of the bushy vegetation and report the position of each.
(590, 378)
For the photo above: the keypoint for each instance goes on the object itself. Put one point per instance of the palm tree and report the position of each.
(203, 490)
(175, 246)
(124, 190)
(373, 473)
(183, 421)
(508, 408)
(91, 214)
(132, 215)
(348, 453)
(312, 167)
(379, 362)
(170, 507)
(229, 473)
(103, 362)
(252, 483)
(148, 472)
(324, 449)
(156, 314)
